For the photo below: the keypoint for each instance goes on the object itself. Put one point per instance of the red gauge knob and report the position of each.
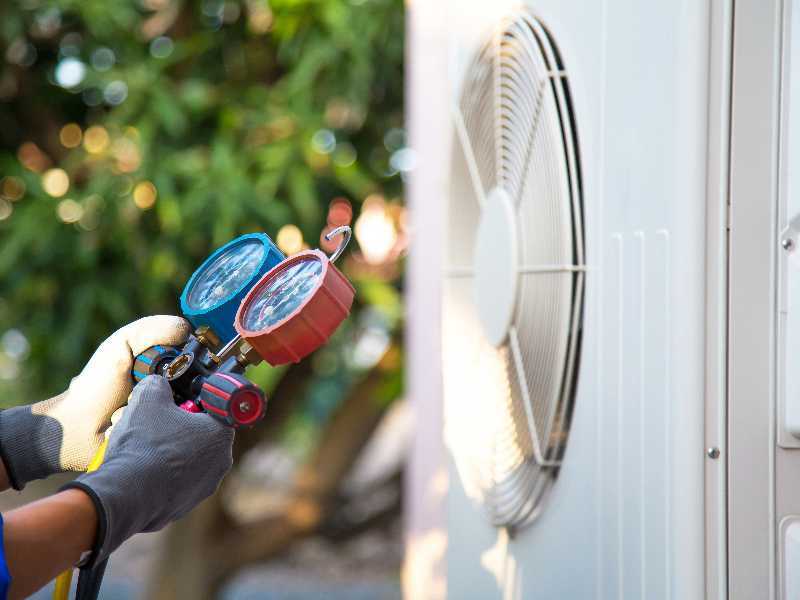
(295, 308)
(232, 399)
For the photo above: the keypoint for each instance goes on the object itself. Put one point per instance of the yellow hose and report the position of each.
(98, 457)
(64, 581)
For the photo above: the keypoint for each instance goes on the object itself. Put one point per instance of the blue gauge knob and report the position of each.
(152, 361)
(215, 290)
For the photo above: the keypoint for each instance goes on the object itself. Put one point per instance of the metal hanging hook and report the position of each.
(345, 231)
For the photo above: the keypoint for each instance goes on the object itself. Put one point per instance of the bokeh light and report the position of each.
(5, 209)
(92, 96)
(289, 239)
(69, 211)
(341, 114)
(115, 92)
(394, 139)
(96, 139)
(12, 188)
(340, 212)
(259, 16)
(231, 12)
(70, 44)
(144, 195)
(70, 135)
(21, 52)
(344, 155)
(375, 230)
(55, 182)
(32, 158)
(323, 141)
(403, 160)
(213, 8)
(123, 186)
(70, 72)
(103, 59)
(127, 155)
(47, 22)
(161, 47)
(92, 205)
(15, 344)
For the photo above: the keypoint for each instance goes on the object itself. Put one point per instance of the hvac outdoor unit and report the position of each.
(514, 296)
(603, 209)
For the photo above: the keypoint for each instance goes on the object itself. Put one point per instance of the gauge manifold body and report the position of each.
(295, 308)
(216, 288)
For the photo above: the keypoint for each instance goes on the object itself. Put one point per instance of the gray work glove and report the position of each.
(63, 433)
(161, 461)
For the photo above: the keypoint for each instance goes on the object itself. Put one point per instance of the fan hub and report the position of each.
(496, 266)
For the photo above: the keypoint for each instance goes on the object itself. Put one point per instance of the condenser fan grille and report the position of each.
(515, 280)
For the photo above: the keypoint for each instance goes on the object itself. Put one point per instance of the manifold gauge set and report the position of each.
(247, 303)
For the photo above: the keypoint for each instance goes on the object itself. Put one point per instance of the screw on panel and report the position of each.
(787, 244)
(713, 453)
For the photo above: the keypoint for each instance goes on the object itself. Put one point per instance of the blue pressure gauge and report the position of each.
(216, 289)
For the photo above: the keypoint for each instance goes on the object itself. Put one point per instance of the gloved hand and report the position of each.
(161, 461)
(63, 433)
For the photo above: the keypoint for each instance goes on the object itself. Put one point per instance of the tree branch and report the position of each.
(314, 485)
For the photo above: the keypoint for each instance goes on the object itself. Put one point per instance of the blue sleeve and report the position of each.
(5, 576)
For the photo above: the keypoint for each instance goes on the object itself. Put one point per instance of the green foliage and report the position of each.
(222, 101)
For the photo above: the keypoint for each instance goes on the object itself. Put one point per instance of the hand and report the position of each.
(63, 433)
(161, 461)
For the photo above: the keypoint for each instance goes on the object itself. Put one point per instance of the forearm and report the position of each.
(5, 483)
(45, 537)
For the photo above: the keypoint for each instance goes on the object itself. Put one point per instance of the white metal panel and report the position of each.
(787, 454)
(789, 315)
(426, 476)
(716, 492)
(625, 518)
(764, 460)
(751, 398)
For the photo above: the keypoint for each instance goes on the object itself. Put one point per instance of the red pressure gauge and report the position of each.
(296, 306)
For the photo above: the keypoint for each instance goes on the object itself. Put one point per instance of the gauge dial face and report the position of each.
(226, 275)
(283, 295)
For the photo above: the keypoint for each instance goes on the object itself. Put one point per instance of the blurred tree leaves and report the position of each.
(216, 104)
